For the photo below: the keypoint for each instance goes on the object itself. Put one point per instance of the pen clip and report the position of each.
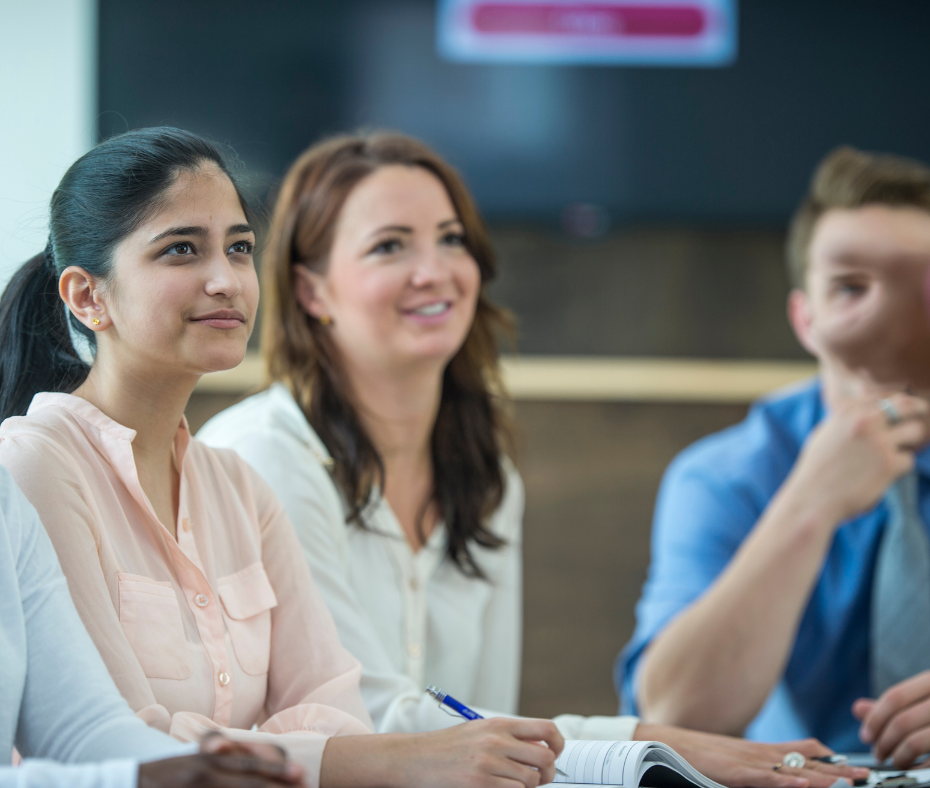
(451, 712)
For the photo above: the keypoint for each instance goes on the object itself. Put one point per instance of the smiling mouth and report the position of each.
(431, 310)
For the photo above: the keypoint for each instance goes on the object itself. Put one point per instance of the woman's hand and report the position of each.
(852, 458)
(495, 753)
(738, 763)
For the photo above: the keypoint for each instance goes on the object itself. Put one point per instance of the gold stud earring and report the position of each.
(95, 322)
(326, 320)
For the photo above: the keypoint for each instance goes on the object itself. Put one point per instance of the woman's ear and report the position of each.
(83, 295)
(310, 290)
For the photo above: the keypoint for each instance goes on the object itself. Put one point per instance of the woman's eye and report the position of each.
(180, 249)
(242, 247)
(388, 246)
(454, 239)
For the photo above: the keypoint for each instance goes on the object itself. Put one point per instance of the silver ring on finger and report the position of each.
(893, 415)
(794, 760)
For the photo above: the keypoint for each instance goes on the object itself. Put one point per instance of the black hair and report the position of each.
(102, 198)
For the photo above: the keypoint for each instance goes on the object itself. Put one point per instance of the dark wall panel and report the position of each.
(659, 144)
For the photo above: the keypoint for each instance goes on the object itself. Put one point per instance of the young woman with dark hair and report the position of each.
(384, 435)
(182, 563)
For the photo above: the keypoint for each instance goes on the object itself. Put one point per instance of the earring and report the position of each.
(95, 322)
(325, 320)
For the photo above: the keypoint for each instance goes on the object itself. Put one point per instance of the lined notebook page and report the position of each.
(600, 762)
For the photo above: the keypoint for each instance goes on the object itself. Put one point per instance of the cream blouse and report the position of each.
(411, 618)
(222, 627)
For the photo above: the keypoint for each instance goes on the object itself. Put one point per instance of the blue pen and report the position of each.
(461, 709)
(447, 700)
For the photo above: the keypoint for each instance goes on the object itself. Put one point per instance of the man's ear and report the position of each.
(84, 296)
(310, 290)
(801, 319)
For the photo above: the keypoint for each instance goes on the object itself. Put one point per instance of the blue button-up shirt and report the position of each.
(712, 495)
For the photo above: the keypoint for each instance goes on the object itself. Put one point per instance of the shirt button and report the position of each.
(414, 651)
(201, 600)
(223, 678)
(186, 524)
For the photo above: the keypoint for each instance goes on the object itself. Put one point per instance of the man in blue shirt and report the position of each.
(757, 615)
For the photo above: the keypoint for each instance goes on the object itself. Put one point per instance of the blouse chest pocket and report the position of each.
(150, 616)
(248, 598)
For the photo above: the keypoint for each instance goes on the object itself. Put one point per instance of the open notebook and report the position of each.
(629, 764)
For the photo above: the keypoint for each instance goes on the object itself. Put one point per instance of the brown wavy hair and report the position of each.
(471, 429)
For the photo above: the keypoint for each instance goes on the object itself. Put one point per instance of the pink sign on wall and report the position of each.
(647, 32)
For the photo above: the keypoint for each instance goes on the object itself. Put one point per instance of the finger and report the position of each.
(249, 764)
(503, 782)
(822, 779)
(815, 778)
(232, 780)
(536, 756)
(891, 702)
(836, 770)
(862, 707)
(908, 433)
(909, 407)
(216, 743)
(512, 770)
(270, 752)
(901, 726)
(912, 748)
(538, 730)
(752, 777)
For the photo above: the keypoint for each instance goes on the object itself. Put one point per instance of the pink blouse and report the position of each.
(222, 627)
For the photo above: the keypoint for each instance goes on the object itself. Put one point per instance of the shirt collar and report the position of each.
(296, 422)
(103, 426)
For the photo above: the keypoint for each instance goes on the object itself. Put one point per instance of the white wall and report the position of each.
(48, 102)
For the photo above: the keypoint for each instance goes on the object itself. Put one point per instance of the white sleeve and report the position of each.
(574, 726)
(48, 774)
(71, 710)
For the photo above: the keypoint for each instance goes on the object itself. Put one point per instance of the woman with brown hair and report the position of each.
(384, 435)
(183, 565)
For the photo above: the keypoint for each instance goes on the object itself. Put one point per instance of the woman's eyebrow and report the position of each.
(447, 222)
(239, 229)
(200, 232)
(397, 228)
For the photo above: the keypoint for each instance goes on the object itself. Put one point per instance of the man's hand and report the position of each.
(738, 763)
(223, 763)
(897, 725)
(852, 458)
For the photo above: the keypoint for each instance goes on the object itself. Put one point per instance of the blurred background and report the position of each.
(639, 210)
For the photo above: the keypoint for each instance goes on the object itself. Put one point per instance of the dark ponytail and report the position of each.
(36, 353)
(103, 197)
